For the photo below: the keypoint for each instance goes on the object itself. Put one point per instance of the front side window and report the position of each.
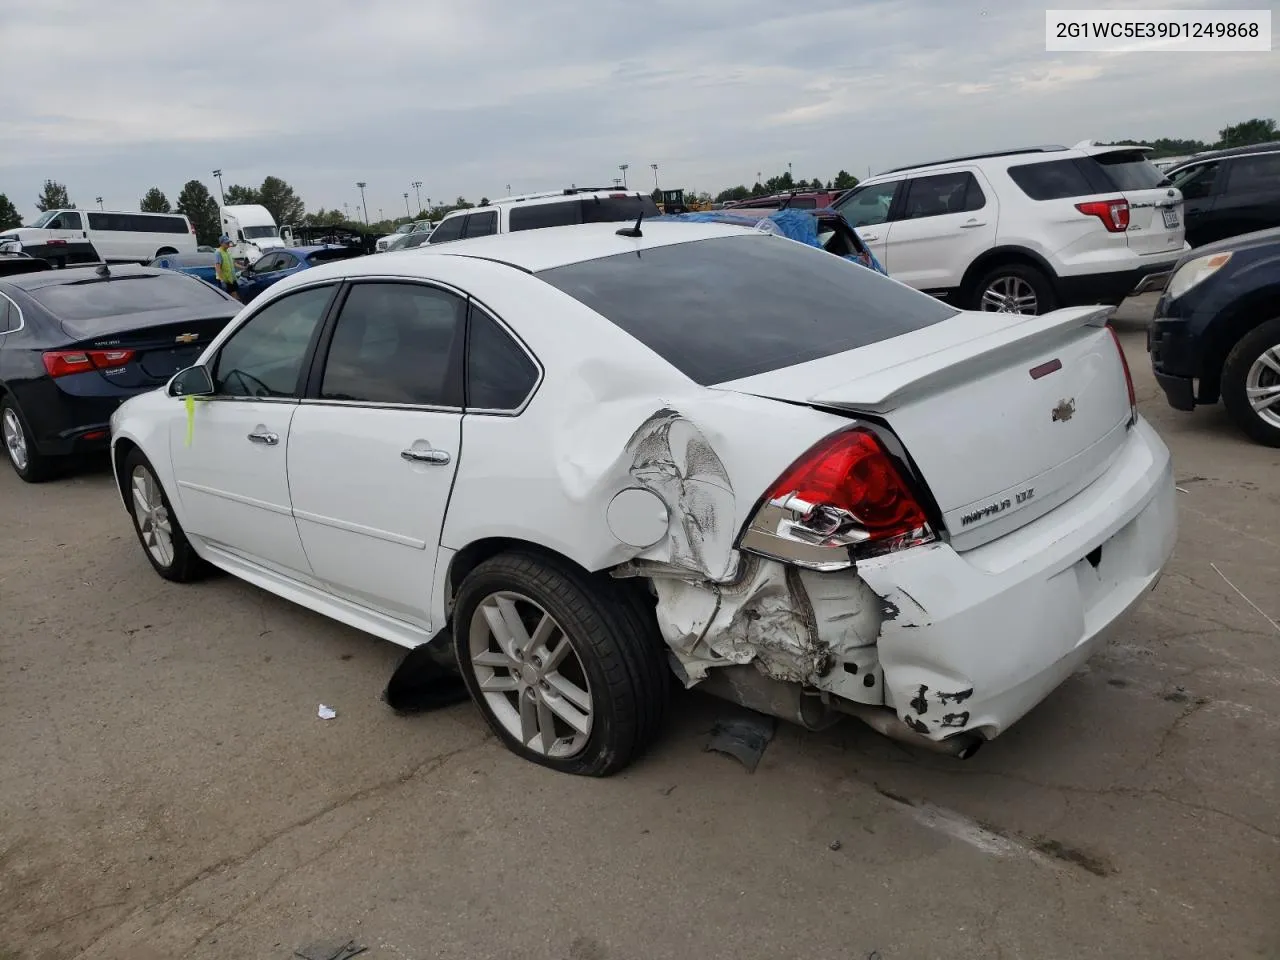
(500, 375)
(1198, 182)
(396, 343)
(870, 205)
(942, 194)
(264, 357)
(67, 220)
(449, 229)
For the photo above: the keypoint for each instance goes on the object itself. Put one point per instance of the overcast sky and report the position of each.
(469, 96)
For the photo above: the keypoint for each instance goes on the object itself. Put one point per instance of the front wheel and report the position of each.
(568, 670)
(1013, 288)
(1251, 383)
(157, 526)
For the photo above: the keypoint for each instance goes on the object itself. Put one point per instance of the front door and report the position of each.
(948, 220)
(375, 445)
(229, 460)
(1201, 186)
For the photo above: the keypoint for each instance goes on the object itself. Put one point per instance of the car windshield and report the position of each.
(90, 299)
(259, 233)
(732, 307)
(405, 228)
(44, 218)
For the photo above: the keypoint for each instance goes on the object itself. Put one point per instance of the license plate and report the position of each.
(1170, 218)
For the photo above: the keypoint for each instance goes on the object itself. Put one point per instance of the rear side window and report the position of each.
(1198, 182)
(1130, 170)
(500, 375)
(396, 343)
(544, 215)
(112, 298)
(449, 229)
(581, 210)
(942, 194)
(482, 224)
(1250, 174)
(732, 307)
(1054, 180)
(613, 209)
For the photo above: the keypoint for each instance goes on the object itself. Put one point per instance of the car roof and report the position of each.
(535, 250)
(53, 278)
(1271, 147)
(550, 196)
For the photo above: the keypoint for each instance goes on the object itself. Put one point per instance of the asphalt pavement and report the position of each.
(167, 789)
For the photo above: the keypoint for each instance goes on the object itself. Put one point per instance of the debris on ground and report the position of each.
(427, 678)
(743, 737)
(834, 845)
(326, 713)
(1259, 610)
(337, 950)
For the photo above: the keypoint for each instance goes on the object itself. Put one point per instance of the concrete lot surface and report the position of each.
(167, 790)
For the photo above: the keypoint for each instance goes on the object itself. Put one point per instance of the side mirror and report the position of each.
(192, 382)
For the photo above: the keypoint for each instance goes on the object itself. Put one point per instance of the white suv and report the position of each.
(561, 208)
(1024, 231)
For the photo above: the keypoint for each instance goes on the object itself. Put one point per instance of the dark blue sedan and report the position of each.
(274, 265)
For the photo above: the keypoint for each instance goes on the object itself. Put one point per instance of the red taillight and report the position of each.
(62, 363)
(1114, 214)
(846, 490)
(1128, 376)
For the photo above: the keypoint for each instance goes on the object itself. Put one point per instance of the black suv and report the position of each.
(1229, 192)
(1216, 332)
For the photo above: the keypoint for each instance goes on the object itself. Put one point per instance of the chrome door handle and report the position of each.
(869, 236)
(424, 456)
(262, 436)
(973, 223)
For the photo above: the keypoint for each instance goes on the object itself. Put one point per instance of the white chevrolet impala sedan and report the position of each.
(592, 460)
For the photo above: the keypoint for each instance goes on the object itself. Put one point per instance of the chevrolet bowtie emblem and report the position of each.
(188, 337)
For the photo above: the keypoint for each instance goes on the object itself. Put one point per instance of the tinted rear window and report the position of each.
(580, 210)
(124, 295)
(732, 307)
(1054, 180)
(1130, 170)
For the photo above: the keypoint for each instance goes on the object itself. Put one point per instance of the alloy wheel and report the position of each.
(15, 440)
(531, 678)
(151, 516)
(1262, 386)
(1009, 294)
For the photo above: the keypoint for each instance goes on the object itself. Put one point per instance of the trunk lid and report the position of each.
(1005, 418)
(161, 347)
(1155, 209)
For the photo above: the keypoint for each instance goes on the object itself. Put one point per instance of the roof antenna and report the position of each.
(632, 231)
(103, 271)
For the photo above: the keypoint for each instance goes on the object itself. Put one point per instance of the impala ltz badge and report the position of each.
(187, 337)
(1064, 411)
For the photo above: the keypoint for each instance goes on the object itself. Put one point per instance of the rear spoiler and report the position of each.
(885, 389)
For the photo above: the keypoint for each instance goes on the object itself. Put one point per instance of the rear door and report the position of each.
(1201, 186)
(1251, 200)
(374, 447)
(947, 221)
(1156, 224)
(870, 210)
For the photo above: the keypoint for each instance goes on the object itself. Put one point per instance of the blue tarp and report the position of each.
(799, 225)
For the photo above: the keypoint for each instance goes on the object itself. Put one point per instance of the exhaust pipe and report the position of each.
(883, 720)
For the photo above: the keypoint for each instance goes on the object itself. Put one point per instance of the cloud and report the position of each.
(471, 97)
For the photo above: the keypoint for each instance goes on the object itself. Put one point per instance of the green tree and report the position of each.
(202, 210)
(484, 201)
(155, 202)
(844, 181)
(237, 194)
(733, 193)
(9, 216)
(1252, 131)
(281, 202)
(54, 197)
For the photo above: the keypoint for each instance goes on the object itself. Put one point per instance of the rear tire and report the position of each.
(580, 681)
(1013, 288)
(163, 541)
(27, 462)
(1253, 366)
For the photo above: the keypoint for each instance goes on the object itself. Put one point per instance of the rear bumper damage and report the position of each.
(957, 646)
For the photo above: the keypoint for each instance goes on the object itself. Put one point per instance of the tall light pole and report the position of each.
(617, 181)
(346, 212)
(417, 192)
(361, 184)
(508, 189)
(623, 167)
(789, 170)
(380, 216)
(221, 193)
(408, 212)
(654, 168)
(98, 200)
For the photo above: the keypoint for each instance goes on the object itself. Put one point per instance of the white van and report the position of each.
(102, 236)
(251, 228)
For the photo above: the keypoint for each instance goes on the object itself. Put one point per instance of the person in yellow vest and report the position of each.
(224, 267)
